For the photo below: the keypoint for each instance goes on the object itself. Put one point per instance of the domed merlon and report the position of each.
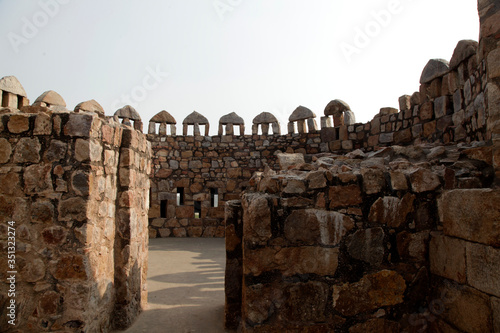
(128, 112)
(50, 98)
(464, 49)
(301, 113)
(163, 117)
(12, 85)
(231, 118)
(434, 69)
(195, 118)
(264, 118)
(90, 106)
(336, 107)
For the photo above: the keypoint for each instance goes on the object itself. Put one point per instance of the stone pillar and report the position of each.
(229, 129)
(326, 122)
(152, 128)
(338, 120)
(255, 129)
(196, 130)
(276, 128)
(312, 125)
(234, 264)
(23, 101)
(242, 129)
(138, 125)
(9, 100)
(291, 127)
(265, 129)
(163, 129)
(173, 129)
(207, 129)
(301, 126)
(185, 129)
(221, 129)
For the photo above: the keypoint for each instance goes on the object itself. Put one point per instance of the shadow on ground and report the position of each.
(186, 287)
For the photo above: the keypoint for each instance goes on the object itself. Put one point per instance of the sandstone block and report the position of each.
(288, 160)
(447, 257)
(70, 267)
(73, 209)
(38, 179)
(18, 123)
(32, 269)
(294, 186)
(413, 246)
(367, 245)
(312, 227)
(375, 290)
(494, 64)
(42, 212)
(27, 151)
(256, 218)
(435, 68)
(398, 181)
(391, 211)
(182, 212)
(43, 124)
(423, 180)
(426, 111)
(56, 151)
(79, 125)
(54, 235)
(468, 309)
(291, 260)
(5, 150)
(343, 196)
(82, 150)
(373, 180)
(11, 184)
(305, 302)
(483, 268)
(471, 214)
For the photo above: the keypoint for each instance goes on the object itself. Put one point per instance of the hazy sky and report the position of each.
(220, 56)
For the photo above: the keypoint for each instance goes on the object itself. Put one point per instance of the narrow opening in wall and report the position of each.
(197, 209)
(180, 196)
(157, 128)
(214, 197)
(236, 130)
(202, 130)
(337, 133)
(163, 209)
(150, 197)
(19, 102)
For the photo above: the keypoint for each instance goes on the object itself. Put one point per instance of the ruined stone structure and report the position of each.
(388, 226)
(75, 185)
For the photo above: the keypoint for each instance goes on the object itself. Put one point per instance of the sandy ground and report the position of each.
(186, 287)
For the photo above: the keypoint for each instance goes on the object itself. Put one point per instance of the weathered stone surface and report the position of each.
(495, 307)
(11, 184)
(27, 151)
(398, 181)
(316, 180)
(413, 246)
(11, 84)
(391, 211)
(313, 227)
(468, 309)
(31, 270)
(483, 268)
(54, 235)
(50, 98)
(259, 302)
(375, 290)
(463, 50)
(256, 218)
(367, 245)
(343, 196)
(231, 118)
(90, 106)
(434, 69)
(305, 302)
(294, 186)
(79, 125)
(5, 150)
(43, 124)
(336, 108)
(195, 118)
(377, 325)
(42, 212)
(471, 214)
(127, 112)
(264, 118)
(447, 257)
(73, 209)
(163, 117)
(18, 123)
(423, 180)
(288, 160)
(70, 267)
(301, 113)
(291, 260)
(38, 179)
(494, 64)
(373, 180)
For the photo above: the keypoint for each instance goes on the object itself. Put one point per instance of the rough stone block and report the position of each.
(27, 151)
(423, 180)
(313, 227)
(373, 180)
(19, 123)
(483, 268)
(426, 111)
(471, 214)
(447, 257)
(413, 246)
(79, 125)
(367, 245)
(391, 211)
(398, 181)
(256, 218)
(343, 196)
(373, 291)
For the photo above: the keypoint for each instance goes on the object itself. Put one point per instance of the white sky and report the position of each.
(221, 56)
